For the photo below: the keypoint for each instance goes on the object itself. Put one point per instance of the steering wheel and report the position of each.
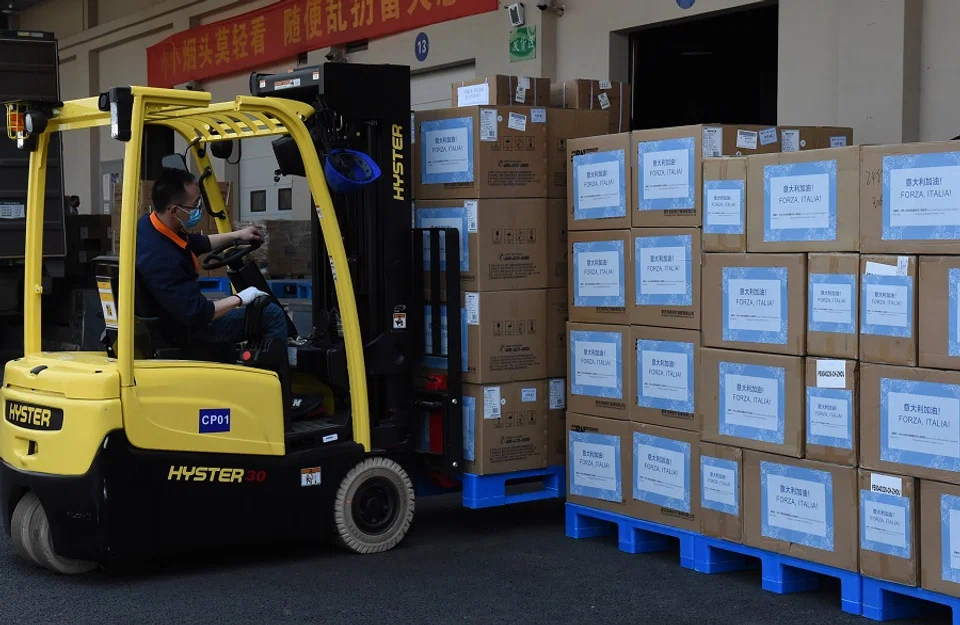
(221, 257)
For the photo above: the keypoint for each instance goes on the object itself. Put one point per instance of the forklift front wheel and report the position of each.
(374, 506)
(32, 539)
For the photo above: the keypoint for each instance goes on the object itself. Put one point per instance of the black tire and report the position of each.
(374, 506)
(22, 528)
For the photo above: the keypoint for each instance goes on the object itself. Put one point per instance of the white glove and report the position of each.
(249, 294)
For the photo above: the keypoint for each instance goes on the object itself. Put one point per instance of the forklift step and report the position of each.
(489, 491)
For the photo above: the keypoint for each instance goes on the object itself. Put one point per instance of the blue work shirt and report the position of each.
(167, 265)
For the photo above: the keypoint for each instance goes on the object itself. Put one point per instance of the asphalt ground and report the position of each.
(509, 565)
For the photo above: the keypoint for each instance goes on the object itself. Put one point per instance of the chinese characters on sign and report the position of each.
(286, 29)
(523, 44)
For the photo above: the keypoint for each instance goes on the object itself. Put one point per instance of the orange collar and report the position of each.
(173, 236)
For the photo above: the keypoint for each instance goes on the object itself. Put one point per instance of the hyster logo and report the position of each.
(205, 474)
(398, 136)
(34, 417)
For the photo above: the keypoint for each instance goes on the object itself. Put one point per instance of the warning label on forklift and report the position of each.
(106, 303)
(310, 477)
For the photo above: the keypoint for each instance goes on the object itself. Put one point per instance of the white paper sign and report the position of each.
(723, 207)
(838, 142)
(666, 175)
(448, 151)
(517, 121)
(829, 417)
(933, 202)
(887, 305)
(664, 271)
(712, 142)
(747, 139)
(595, 364)
(754, 305)
(832, 374)
(800, 202)
(790, 141)
(538, 116)
(924, 424)
(661, 471)
(599, 274)
(666, 375)
(606, 84)
(801, 506)
(832, 303)
(473, 95)
(558, 393)
(880, 269)
(594, 465)
(886, 524)
(491, 402)
(599, 185)
(768, 136)
(752, 402)
(720, 485)
(887, 484)
(488, 125)
(472, 305)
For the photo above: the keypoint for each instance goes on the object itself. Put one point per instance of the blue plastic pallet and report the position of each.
(488, 491)
(215, 285)
(781, 574)
(633, 535)
(291, 289)
(887, 601)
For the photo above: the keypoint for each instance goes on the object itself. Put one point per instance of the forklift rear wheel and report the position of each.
(374, 506)
(33, 541)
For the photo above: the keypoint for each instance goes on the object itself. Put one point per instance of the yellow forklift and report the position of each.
(150, 445)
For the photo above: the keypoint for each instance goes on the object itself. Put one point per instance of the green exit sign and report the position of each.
(523, 44)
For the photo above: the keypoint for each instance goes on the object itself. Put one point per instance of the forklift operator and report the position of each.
(168, 267)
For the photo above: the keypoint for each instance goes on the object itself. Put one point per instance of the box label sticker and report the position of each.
(800, 202)
(831, 373)
(520, 97)
(444, 218)
(471, 208)
(604, 101)
(598, 269)
(666, 174)
(720, 485)
(558, 393)
(473, 95)
(666, 377)
(830, 417)
(796, 505)
(920, 197)
(887, 306)
(469, 431)
(747, 139)
(538, 116)
(664, 270)
(882, 269)
(605, 84)
(595, 466)
(599, 185)
(755, 304)
(790, 141)
(838, 142)
(447, 153)
(491, 402)
(661, 470)
(472, 306)
(887, 484)
(723, 206)
(752, 402)
(953, 313)
(523, 82)
(885, 524)
(528, 395)
(489, 125)
(768, 136)
(712, 142)
(517, 121)
(920, 424)
(832, 303)
(596, 364)
(950, 538)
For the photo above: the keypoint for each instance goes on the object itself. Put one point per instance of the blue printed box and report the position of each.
(665, 480)
(666, 278)
(889, 526)
(601, 276)
(725, 204)
(667, 364)
(832, 406)
(598, 185)
(721, 491)
(667, 177)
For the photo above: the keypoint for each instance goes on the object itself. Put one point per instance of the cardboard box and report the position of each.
(909, 418)
(667, 361)
(503, 243)
(505, 427)
(754, 401)
(746, 140)
(804, 201)
(558, 248)
(721, 492)
(614, 97)
(502, 90)
(801, 508)
(667, 169)
(289, 251)
(558, 308)
(481, 152)
(556, 422)
(725, 204)
(666, 277)
(599, 191)
(800, 138)
(600, 371)
(908, 198)
(601, 276)
(833, 296)
(831, 398)
(938, 523)
(939, 341)
(888, 309)
(666, 476)
(889, 515)
(757, 302)
(599, 462)
(563, 125)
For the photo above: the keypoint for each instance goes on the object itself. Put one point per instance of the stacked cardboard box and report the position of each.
(88, 236)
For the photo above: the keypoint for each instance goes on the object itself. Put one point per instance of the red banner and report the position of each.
(284, 30)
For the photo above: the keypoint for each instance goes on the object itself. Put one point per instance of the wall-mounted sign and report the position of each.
(685, 4)
(523, 44)
(421, 47)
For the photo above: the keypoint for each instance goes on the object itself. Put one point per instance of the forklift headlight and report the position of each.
(121, 112)
(35, 122)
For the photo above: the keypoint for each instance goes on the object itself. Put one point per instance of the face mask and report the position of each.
(194, 216)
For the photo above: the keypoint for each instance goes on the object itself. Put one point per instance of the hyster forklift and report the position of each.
(151, 445)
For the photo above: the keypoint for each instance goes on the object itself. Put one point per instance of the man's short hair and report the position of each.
(170, 188)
